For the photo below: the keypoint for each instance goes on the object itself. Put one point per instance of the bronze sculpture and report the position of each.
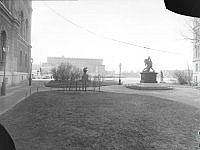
(148, 64)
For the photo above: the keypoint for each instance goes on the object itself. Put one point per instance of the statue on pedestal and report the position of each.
(148, 76)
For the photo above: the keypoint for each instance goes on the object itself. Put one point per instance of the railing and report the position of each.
(79, 85)
(94, 84)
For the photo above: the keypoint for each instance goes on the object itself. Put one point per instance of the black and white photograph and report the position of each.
(99, 75)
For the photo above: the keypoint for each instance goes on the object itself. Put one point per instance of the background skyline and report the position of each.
(86, 29)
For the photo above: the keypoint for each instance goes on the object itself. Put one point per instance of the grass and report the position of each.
(98, 121)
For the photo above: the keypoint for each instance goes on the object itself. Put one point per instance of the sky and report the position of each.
(86, 29)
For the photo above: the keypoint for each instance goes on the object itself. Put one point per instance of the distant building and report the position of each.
(95, 66)
(196, 51)
(15, 39)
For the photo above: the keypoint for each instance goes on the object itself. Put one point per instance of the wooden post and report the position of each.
(93, 84)
(99, 82)
(69, 85)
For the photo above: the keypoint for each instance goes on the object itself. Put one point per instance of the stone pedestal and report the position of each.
(148, 77)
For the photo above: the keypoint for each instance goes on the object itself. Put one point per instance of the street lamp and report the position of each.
(120, 67)
(3, 87)
(30, 75)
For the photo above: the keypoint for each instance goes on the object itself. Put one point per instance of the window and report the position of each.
(26, 29)
(196, 79)
(22, 23)
(196, 68)
(199, 68)
(2, 45)
(196, 51)
(26, 60)
(20, 58)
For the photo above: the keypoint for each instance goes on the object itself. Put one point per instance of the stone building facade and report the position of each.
(95, 66)
(15, 40)
(196, 51)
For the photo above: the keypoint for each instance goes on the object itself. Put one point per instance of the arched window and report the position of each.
(2, 46)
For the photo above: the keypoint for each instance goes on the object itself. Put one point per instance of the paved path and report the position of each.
(182, 94)
(17, 93)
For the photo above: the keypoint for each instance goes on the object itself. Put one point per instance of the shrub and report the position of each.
(65, 72)
(183, 77)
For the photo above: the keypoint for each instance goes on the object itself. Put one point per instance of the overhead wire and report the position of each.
(106, 37)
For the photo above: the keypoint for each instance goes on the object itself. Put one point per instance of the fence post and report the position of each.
(93, 85)
(85, 86)
(99, 82)
(30, 91)
(99, 86)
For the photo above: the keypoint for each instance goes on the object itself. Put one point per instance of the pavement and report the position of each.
(15, 94)
(184, 94)
(149, 86)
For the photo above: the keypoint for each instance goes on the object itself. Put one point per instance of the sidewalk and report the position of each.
(187, 95)
(17, 93)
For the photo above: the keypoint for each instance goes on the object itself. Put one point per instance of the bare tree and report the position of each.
(76, 73)
(183, 76)
(54, 74)
(193, 30)
(65, 72)
(192, 34)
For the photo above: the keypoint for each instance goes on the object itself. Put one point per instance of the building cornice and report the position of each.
(197, 43)
(8, 14)
(196, 59)
(24, 41)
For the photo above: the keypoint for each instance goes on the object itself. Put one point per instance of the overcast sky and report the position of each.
(141, 22)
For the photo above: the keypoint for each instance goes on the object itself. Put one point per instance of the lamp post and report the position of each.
(30, 75)
(3, 87)
(85, 78)
(120, 67)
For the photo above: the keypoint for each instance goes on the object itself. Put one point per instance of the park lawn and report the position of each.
(97, 121)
